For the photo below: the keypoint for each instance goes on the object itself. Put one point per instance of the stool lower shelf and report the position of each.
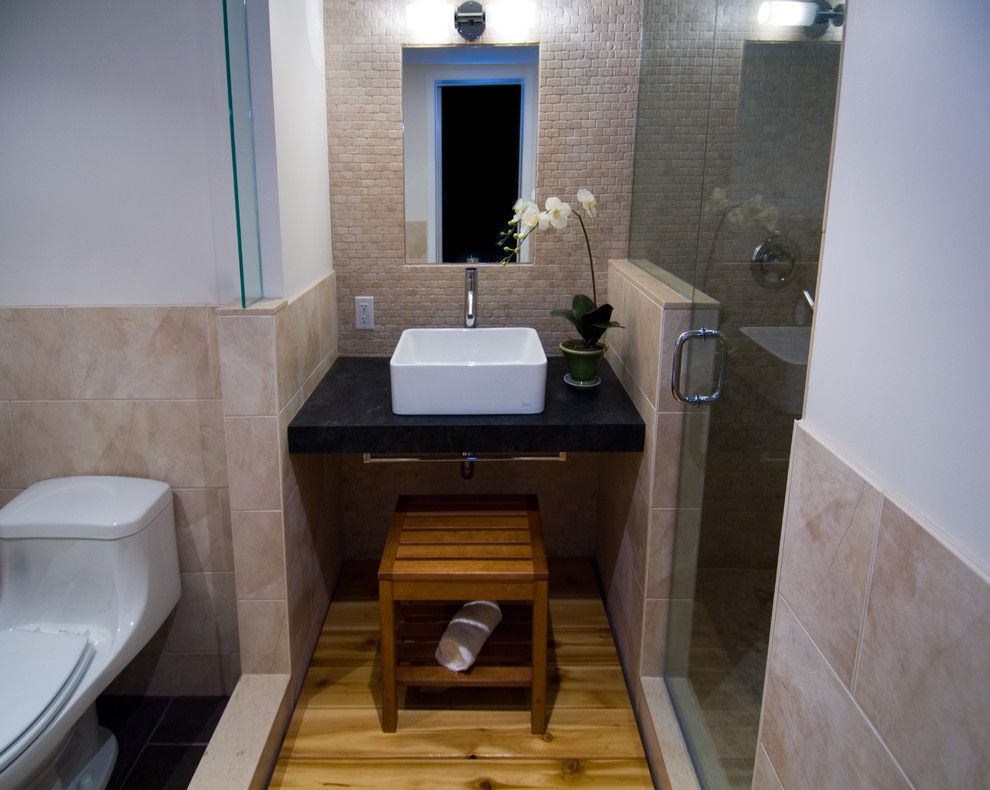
(503, 662)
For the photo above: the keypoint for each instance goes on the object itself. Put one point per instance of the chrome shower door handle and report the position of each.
(718, 377)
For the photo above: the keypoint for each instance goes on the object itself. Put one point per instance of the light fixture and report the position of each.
(509, 21)
(792, 13)
(469, 19)
(426, 21)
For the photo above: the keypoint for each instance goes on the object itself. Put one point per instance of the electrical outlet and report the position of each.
(364, 312)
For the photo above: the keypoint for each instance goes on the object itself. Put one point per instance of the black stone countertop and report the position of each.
(350, 411)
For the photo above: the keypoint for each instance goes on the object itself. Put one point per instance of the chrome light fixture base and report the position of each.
(827, 13)
(469, 20)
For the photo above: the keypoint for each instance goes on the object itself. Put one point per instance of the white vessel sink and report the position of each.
(498, 370)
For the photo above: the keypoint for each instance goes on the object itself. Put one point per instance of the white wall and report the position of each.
(301, 162)
(114, 154)
(900, 370)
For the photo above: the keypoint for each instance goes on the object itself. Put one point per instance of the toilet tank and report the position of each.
(95, 554)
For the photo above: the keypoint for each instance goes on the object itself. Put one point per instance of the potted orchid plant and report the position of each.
(591, 320)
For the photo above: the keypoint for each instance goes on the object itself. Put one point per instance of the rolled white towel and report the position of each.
(466, 634)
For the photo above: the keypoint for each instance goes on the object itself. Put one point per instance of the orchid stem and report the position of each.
(591, 261)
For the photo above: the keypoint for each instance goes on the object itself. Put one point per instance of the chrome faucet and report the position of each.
(471, 297)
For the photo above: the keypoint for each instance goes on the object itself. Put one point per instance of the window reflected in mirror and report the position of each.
(469, 145)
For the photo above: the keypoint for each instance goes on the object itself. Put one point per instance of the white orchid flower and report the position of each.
(769, 217)
(531, 216)
(588, 202)
(519, 209)
(719, 198)
(558, 212)
(753, 207)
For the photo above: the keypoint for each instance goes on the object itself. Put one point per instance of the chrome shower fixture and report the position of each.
(798, 13)
(774, 261)
(469, 19)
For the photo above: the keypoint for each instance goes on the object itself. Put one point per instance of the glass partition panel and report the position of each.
(242, 149)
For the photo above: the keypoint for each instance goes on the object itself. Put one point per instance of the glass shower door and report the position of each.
(733, 148)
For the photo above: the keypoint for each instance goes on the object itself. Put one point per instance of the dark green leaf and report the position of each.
(581, 305)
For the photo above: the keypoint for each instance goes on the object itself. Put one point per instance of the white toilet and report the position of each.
(88, 573)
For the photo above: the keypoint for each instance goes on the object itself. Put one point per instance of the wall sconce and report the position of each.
(426, 21)
(790, 13)
(469, 19)
(510, 21)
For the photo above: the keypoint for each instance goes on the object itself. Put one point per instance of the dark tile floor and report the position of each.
(159, 739)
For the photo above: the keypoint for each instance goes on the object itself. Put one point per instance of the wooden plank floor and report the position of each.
(464, 738)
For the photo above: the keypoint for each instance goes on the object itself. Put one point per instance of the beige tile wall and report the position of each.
(283, 508)
(648, 500)
(877, 667)
(589, 55)
(133, 391)
(566, 491)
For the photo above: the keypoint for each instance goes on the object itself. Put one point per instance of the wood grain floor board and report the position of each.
(473, 775)
(462, 737)
(357, 686)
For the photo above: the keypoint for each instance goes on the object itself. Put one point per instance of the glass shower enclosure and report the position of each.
(732, 155)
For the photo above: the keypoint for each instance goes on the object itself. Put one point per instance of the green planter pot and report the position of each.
(583, 364)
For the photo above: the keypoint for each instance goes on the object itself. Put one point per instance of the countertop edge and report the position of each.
(349, 411)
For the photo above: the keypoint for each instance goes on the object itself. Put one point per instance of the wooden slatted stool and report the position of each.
(451, 550)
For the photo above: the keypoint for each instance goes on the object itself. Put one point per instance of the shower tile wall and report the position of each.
(648, 500)
(286, 543)
(880, 632)
(589, 61)
(133, 391)
(693, 61)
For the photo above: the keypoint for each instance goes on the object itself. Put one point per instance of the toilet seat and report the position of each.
(39, 672)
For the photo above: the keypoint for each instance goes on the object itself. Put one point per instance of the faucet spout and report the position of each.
(471, 297)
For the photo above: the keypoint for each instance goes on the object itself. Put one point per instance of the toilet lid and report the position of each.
(38, 674)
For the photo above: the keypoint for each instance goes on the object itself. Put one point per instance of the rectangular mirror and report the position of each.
(469, 148)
